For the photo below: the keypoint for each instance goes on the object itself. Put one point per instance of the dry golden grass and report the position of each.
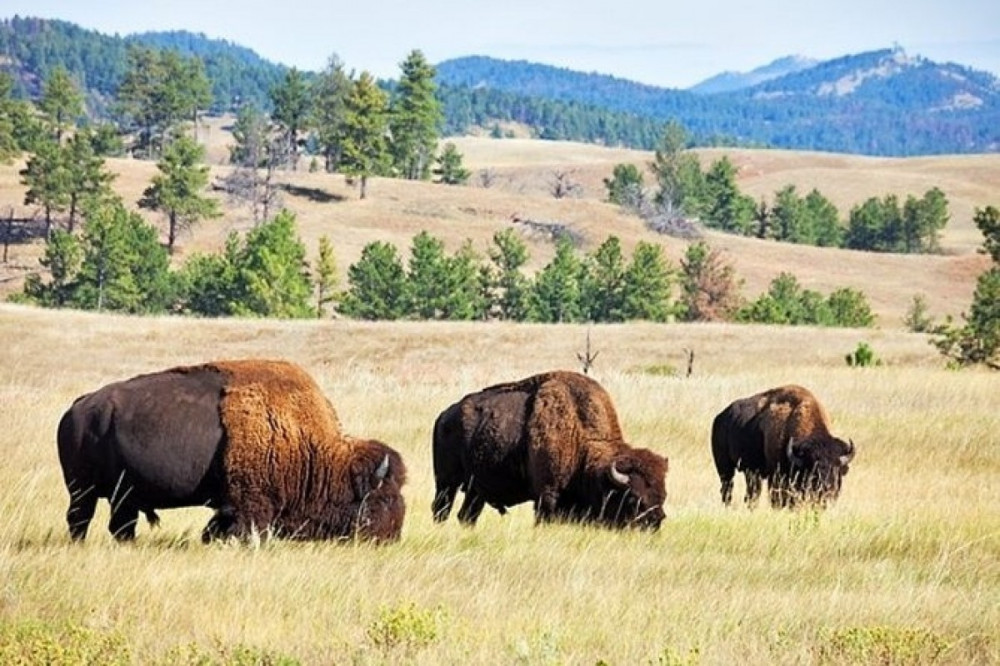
(524, 169)
(904, 569)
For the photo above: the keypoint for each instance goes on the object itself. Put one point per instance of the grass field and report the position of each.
(904, 569)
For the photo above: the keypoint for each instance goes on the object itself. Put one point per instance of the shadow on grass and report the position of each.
(314, 194)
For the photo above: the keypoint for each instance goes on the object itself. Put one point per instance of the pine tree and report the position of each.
(62, 259)
(8, 140)
(326, 276)
(509, 289)
(124, 267)
(450, 170)
(727, 208)
(414, 118)
(427, 278)
(555, 296)
(62, 102)
(365, 123)
(47, 180)
(648, 284)
(272, 276)
(602, 290)
(86, 174)
(291, 100)
(177, 190)
(329, 107)
(625, 187)
(377, 284)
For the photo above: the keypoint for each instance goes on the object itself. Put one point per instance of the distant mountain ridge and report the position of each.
(877, 103)
(731, 81)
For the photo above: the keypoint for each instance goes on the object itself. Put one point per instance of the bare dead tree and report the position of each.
(563, 185)
(487, 177)
(587, 358)
(690, 361)
(8, 232)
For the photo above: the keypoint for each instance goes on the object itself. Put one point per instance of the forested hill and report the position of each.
(877, 103)
(31, 47)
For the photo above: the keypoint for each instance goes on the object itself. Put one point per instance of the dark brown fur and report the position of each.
(553, 438)
(256, 440)
(756, 435)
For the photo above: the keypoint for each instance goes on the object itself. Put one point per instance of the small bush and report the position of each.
(863, 357)
(881, 645)
(29, 643)
(407, 627)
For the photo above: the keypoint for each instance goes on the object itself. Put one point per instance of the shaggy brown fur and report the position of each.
(553, 438)
(782, 434)
(289, 467)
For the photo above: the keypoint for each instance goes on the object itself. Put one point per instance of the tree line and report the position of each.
(685, 190)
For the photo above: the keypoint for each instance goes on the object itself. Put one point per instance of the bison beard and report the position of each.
(255, 440)
(782, 435)
(553, 438)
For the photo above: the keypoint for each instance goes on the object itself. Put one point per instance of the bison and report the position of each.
(783, 435)
(554, 439)
(255, 440)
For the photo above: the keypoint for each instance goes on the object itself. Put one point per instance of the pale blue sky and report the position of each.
(673, 44)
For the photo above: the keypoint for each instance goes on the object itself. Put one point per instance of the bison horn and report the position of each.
(383, 469)
(618, 477)
(847, 457)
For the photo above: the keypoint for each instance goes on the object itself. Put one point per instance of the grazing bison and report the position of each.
(553, 438)
(255, 440)
(783, 435)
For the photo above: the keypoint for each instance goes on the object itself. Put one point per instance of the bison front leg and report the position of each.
(546, 507)
(754, 484)
(444, 499)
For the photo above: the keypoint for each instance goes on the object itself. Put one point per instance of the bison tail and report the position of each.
(154, 520)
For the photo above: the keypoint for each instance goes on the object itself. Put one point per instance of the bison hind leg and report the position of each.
(472, 506)
(82, 506)
(443, 501)
(753, 488)
(124, 516)
(222, 524)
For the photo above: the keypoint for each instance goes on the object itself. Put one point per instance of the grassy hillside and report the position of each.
(523, 174)
(904, 569)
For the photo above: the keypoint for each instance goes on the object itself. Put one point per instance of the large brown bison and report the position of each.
(255, 440)
(553, 439)
(782, 435)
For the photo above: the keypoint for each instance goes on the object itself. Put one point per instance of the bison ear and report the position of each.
(794, 458)
(618, 478)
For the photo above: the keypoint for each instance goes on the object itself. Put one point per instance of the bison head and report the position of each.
(378, 475)
(818, 467)
(636, 482)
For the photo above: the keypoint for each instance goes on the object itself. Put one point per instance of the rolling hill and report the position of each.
(523, 171)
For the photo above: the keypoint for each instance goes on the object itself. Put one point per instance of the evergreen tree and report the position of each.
(62, 102)
(978, 340)
(377, 284)
(466, 298)
(47, 180)
(824, 220)
(727, 208)
(923, 219)
(556, 293)
(450, 170)
(427, 279)
(177, 190)
(9, 147)
(625, 187)
(365, 123)
(62, 259)
(602, 289)
(414, 118)
(124, 267)
(329, 107)
(509, 288)
(849, 307)
(292, 110)
(86, 174)
(709, 288)
(326, 276)
(648, 283)
(272, 278)
(210, 281)
(864, 227)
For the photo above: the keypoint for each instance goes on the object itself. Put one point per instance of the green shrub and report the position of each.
(406, 626)
(881, 645)
(29, 643)
(863, 357)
